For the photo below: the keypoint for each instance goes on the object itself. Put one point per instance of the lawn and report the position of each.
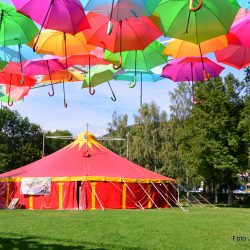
(200, 228)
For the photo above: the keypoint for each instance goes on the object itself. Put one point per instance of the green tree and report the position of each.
(20, 140)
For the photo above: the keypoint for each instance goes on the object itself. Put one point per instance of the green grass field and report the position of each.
(200, 228)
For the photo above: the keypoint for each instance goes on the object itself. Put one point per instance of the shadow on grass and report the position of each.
(11, 242)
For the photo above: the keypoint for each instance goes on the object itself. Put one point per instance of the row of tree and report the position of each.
(205, 138)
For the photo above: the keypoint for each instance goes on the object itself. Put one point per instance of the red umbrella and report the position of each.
(17, 93)
(13, 79)
(235, 55)
(129, 34)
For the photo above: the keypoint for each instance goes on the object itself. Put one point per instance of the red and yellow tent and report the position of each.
(86, 175)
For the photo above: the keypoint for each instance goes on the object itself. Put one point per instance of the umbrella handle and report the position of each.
(10, 103)
(194, 9)
(206, 75)
(91, 90)
(116, 67)
(53, 91)
(113, 98)
(132, 84)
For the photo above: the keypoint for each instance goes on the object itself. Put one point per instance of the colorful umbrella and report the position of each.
(148, 76)
(120, 9)
(17, 93)
(15, 28)
(180, 19)
(180, 48)
(63, 15)
(14, 79)
(99, 74)
(63, 76)
(235, 55)
(144, 60)
(129, 34)
(4, 97)
(43, 67)
(241, 14)
(190, 69)
(241, 30)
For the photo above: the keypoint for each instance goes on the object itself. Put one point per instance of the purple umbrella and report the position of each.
(43, 67)
(191, 69)
(64, 15)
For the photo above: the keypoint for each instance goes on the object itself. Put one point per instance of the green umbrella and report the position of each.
(5, 98)
(15, 28)
(2, 64)
(98, 75)
(135, 60)
(195, 20)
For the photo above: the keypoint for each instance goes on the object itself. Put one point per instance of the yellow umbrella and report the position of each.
(180, 48)
(61, 77)
(61, 44)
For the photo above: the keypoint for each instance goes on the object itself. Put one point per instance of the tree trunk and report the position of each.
(215, 195)
(230, 195)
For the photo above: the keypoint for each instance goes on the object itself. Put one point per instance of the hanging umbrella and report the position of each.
(235, 55)
(244, 3)
(15, 28)
(4, 97)
(144, 60)
(17, 93)
(62, 44)
(142, 76)
(99, 74)
(14, 79)
(211, 18)
(241, 30)
(190, 69)
(62, 77)
(129, 34)
(120, 9)
(62, 15)
(180, 48)
(43, 67)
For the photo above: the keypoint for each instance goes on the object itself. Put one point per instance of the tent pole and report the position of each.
(148, 195)
(140, 205)
(207, 201)
(178, 204)
(117, 187)
(97, 198)
(161, 194)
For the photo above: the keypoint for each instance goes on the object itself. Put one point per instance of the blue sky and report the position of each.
(95, 110)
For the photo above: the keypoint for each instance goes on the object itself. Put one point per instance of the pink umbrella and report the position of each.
(235, 55)
(241, 14)
(241, 29)
(43, 67)
(17, 93)
(191, 69)
(63, 15)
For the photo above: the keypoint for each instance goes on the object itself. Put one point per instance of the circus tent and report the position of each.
(86, 175)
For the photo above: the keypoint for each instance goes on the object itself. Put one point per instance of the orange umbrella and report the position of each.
(61, 44)
(180, 48)
(61, 77)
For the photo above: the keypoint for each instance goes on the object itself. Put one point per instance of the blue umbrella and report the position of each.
(148, 76)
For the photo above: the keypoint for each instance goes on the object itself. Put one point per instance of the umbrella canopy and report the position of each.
(42, 67)
(145, 59)
(17, 93)
(61, 44)
(120, 9)
(190, 69)
(241, 14)
(63, 76)
(4, 97)
(235, 55)
(13, 79)
(63, 15)
(196, 25)
(15, 28)
(129, 34)
(180, 48)
(241, 30)
(12, 67)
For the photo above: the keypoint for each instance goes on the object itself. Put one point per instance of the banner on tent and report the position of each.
(36, 186)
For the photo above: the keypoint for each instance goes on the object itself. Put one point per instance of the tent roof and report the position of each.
(85, 157)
